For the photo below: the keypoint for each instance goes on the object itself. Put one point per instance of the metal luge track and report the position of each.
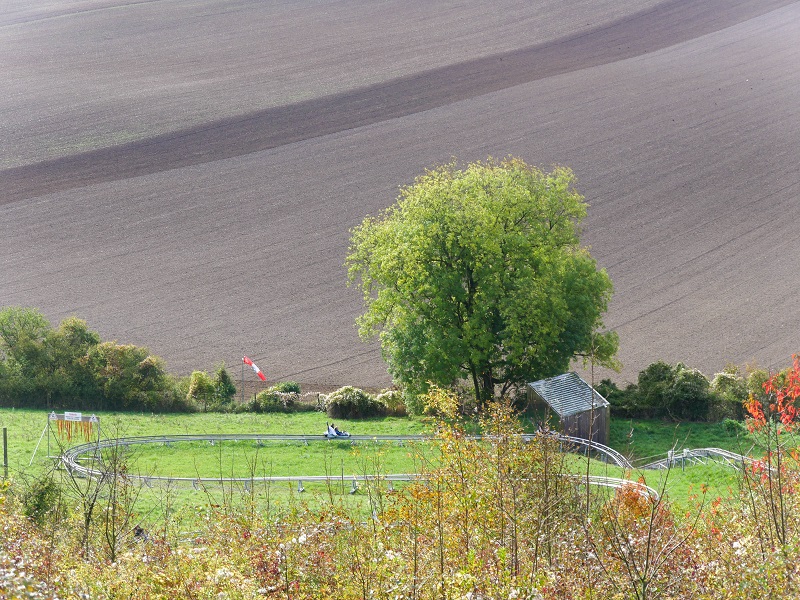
(71, 457)
(74, 459)
(700, 456)
(609, 454)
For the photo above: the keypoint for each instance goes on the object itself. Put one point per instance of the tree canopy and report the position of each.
(69, 367)
(477, 274)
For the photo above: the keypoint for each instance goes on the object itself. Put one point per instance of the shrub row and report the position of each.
(679, 393)
(283, 397)
(69, 367)
(345, 403)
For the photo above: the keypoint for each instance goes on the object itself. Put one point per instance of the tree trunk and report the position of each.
(487, 388)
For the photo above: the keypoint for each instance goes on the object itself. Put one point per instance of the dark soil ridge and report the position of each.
(670, 23)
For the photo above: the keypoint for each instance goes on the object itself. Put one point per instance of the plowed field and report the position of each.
(183, 174)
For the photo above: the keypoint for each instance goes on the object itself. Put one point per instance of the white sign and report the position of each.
(72, 416)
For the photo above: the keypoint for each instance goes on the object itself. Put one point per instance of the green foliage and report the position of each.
(734, 427)
(394, 400)
(42, 366)
(130, 378)
(41, 498)
(624, 402)
(478, 275)
(286, 387)
(655, 384)
(201, 389)
(22, 333)
(270, 400)
(730, 393)
(282, 397)
(415, 402)
(689, 396)
(224, 388)
(70, 368)
(755, 383)
(352, 403)
(674, 392)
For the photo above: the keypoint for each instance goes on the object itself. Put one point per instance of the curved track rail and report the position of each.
(607, 454)
(73, 457)
(701, 456)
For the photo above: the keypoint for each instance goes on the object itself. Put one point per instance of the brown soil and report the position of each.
(221, 230)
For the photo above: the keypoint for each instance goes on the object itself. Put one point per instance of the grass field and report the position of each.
(26, 428)
(642, 441)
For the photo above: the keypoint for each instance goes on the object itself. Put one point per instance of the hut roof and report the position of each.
(568, 394)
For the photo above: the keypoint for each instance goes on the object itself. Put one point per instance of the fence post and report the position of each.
(5, 453)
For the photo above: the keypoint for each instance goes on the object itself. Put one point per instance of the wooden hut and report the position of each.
(579, 407)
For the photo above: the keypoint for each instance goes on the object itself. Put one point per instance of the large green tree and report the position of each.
(42, 365)
(69, 367)
(477, 274)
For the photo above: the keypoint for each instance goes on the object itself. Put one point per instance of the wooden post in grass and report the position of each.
(5, 452)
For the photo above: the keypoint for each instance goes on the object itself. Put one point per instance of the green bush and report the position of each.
(755, 383)
(734, 427)
(201, 390)
(251, 406)
(224, 389)
(41, 499)
(353, 403)
(415, 404)
(730, 393)
(270, 401)
(172, 400)
(394, 401)
(666, 391)
(280, 398)
(286, 387)
(624, 402)
(654, 385)
(689, 397)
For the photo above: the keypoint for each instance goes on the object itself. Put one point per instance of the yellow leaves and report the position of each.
(441, 402)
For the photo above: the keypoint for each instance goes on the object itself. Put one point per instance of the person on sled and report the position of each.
(333, 431)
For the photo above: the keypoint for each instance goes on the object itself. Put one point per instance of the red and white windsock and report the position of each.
(249, 362)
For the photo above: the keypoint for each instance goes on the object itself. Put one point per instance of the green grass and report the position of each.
(230, 459)
(276, 458)
(25, 429)
(641, 440)
(684, 486)
(644, 441)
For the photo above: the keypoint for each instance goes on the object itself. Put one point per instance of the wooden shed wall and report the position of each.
(579, 425)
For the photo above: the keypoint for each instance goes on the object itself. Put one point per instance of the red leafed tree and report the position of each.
(770, 485)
